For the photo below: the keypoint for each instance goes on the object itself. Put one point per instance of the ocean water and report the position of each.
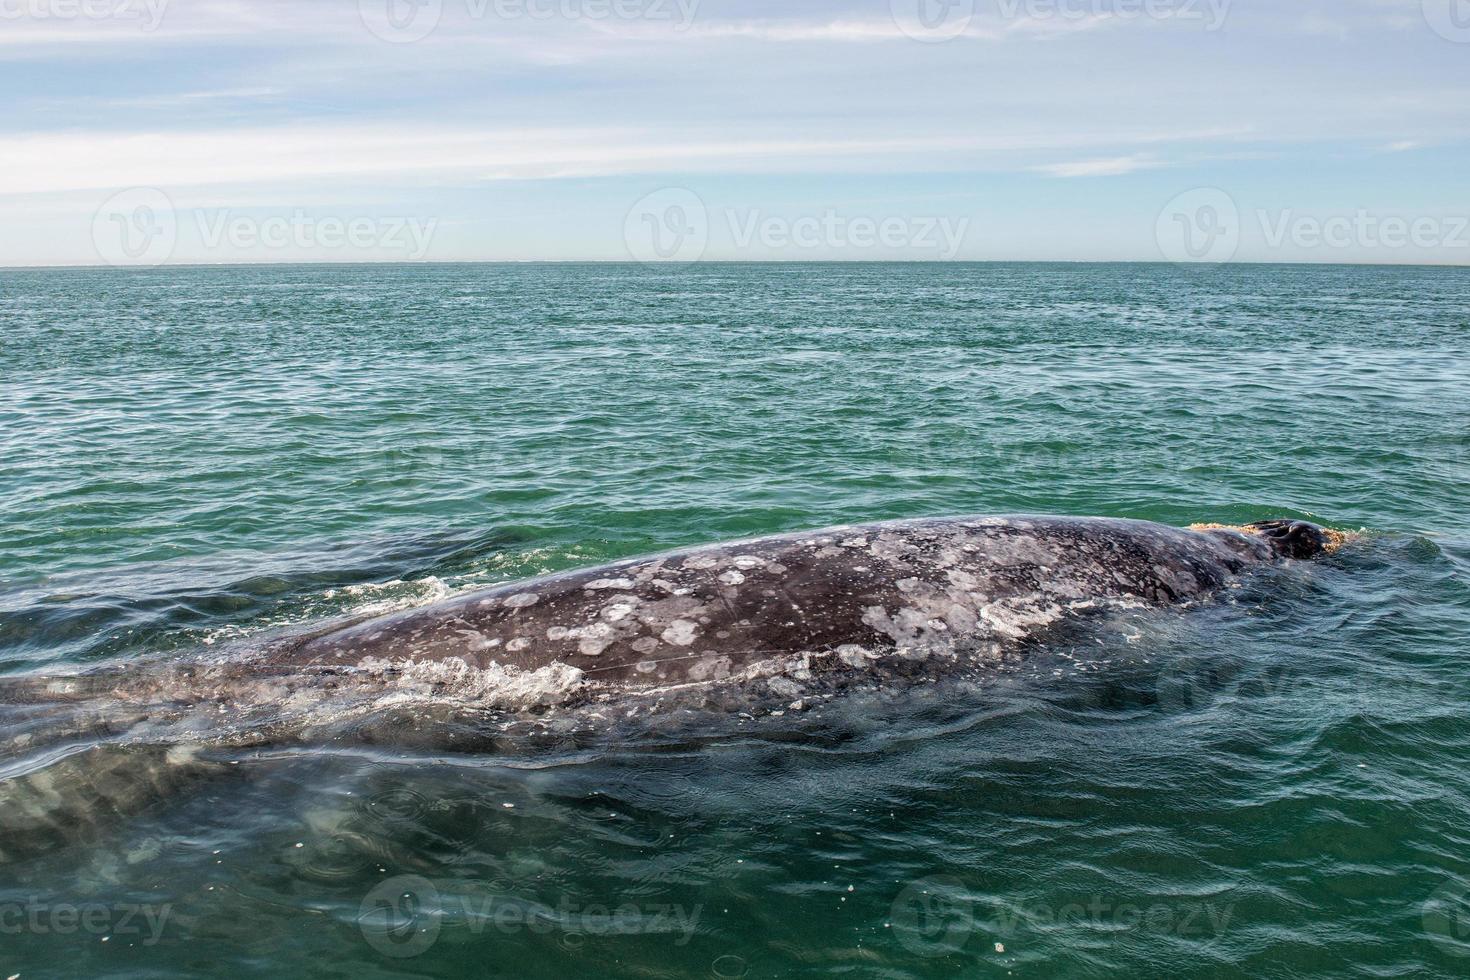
(1278, 785)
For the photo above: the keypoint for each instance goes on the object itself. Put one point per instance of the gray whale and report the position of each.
(960, 588)
(777, 616)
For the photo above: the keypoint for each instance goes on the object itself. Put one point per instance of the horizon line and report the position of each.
(675, 266)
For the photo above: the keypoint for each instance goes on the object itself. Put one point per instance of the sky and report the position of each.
(219, 131)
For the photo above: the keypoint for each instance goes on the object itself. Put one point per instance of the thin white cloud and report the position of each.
(1106, 167)
(41, 163)
(138, 22)
(780, 31)
(198, 106)
(181, 99)
(849, 30)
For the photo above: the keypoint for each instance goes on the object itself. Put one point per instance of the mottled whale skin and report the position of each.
(960, 588)
(781, 613)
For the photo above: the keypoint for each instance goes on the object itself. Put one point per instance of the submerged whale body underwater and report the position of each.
(781, 619)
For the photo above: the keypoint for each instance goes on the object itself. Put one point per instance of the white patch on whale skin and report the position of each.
(595, 639)
(912, 621)
(523, 600)
(494, 685)
(710, 669)
(1065, 588)
(1013, 622)
(609, 583)
(681, 633)
(646, 644)
(617, 612)
(700, 562)
(747, 563)
(902, 627)
(732, 578)
(889, 547)
(961, 618)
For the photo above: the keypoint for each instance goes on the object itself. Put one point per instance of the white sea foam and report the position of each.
(386, 597)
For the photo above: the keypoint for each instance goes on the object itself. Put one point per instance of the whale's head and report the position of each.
(1296, 539)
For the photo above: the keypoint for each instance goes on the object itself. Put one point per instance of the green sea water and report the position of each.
(1274, 786)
